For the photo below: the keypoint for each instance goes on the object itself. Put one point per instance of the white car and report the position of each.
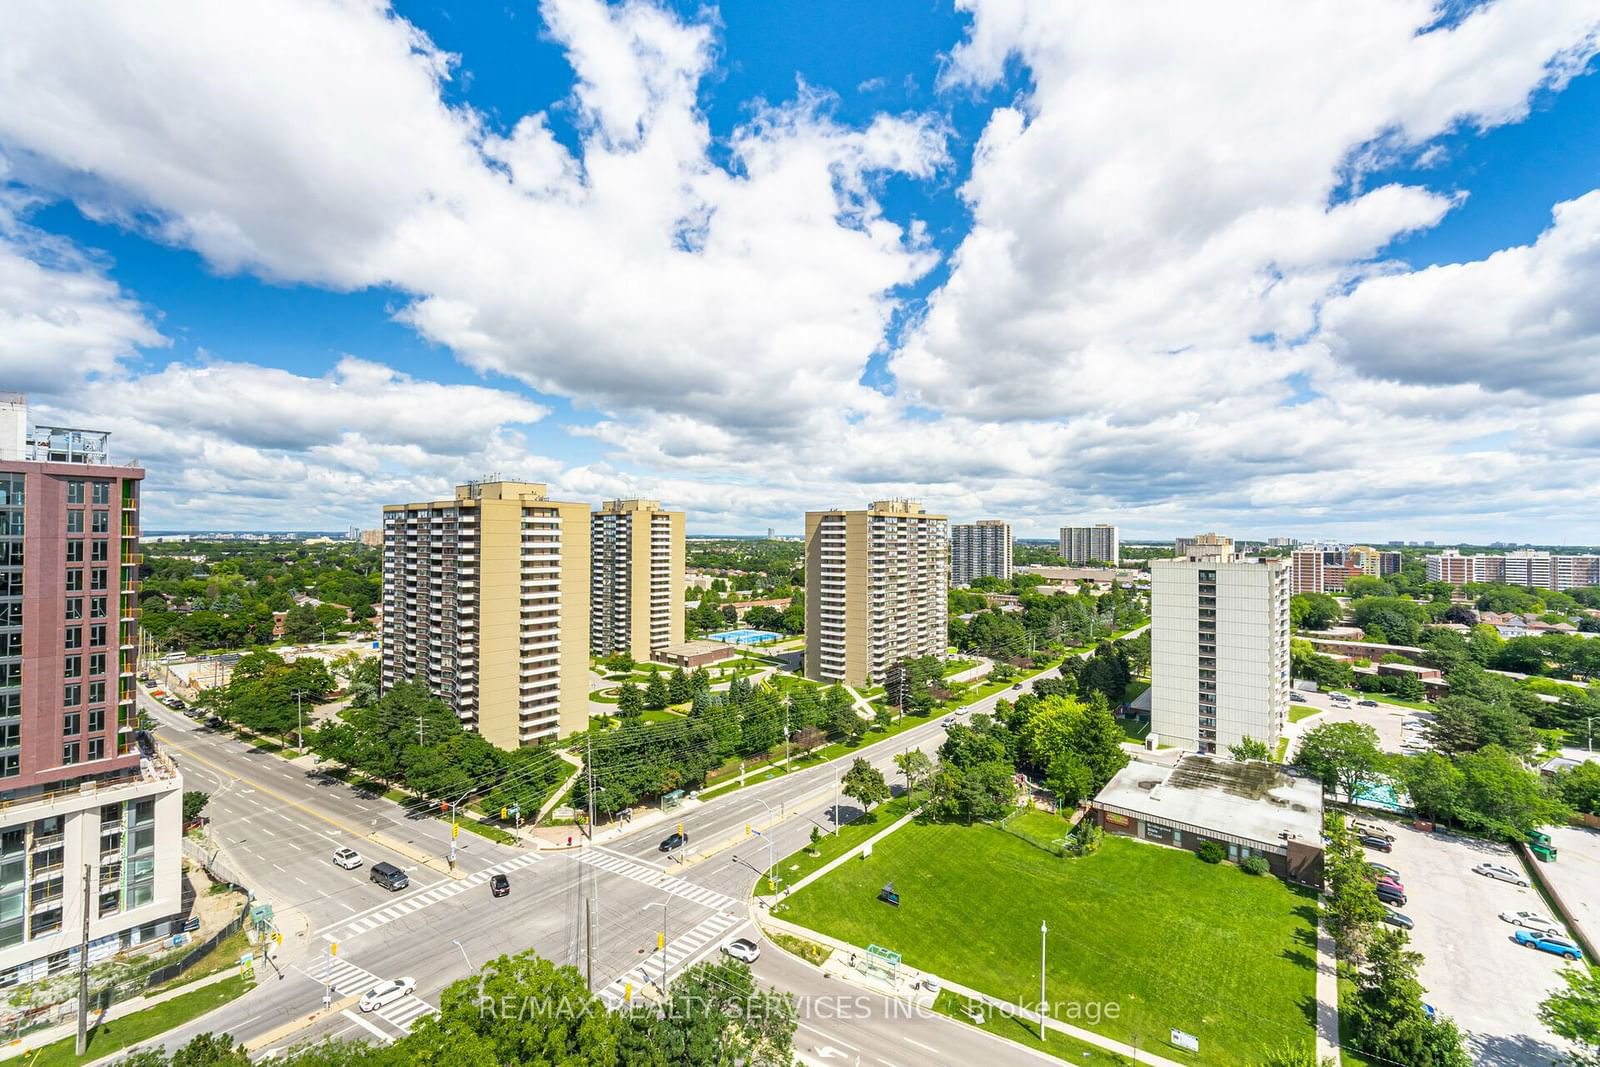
(742, 948)
(1532, 920)
(1499, 873)
(387, 993)
(348, 858)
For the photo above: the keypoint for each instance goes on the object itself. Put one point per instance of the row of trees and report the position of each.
(526, 1010)
(1048, 621)
(260, 693)
(714, 612)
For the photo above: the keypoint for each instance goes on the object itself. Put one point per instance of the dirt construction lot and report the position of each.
(1473, 971)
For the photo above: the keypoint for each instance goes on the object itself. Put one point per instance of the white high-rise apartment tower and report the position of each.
(1083, 544)
(1219, 651)
(979, 550)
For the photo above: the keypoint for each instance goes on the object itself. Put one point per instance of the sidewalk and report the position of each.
(850, 853)
(908, 978)
(125, 1007)
(1327, 997)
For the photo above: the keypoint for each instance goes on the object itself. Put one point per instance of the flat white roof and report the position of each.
(1256, 801)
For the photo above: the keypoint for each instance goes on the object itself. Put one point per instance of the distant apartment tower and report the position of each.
(83, 792)
(875, 590)
(1219, 651)
(1082, 544)
(486, 602)
(636, 578)
(1541, 570)
(1206, 545)
(980, 550)
(1306, 571)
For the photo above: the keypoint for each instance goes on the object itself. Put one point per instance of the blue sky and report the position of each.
(751, 259)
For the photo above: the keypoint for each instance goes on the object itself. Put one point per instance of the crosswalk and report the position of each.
(348, 980)
(443, 891)
(680, 949)
(639, 872)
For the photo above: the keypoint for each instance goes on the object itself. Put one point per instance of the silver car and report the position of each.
(742, 948)
(1500, 873)
(1532, 920)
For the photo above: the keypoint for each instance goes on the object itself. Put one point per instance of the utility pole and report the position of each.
(1043, 930)
(299, 721)
(588, 762)
(836, 804)
(420, 741)
(83, 969)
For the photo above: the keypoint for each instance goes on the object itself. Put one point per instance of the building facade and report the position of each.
(636, 578)
(1219, 651)
(1541, 570)
(486, 601)
(89, 807)
(876, 584)
(1081, 544)
(1206, 545)
(980, 550)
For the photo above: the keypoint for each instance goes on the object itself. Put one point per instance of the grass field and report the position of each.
(797, 865)
(1172, 941)
(1302, 711)
(1385, 698)
(1025, 1031)
(109, 1037)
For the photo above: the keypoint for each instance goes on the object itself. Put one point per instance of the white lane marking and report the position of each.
(279, 869)
(925, 1048)
(359, 1021)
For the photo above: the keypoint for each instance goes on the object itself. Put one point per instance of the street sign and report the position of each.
(1185, 1041)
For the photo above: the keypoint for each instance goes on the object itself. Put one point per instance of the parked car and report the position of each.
(348, 858)
(742, 948)
(1382, 869)
(1390, 893)
(673, 841)
(1392, 881)
(389, 876)
(1382, 844)
(1367, 828)
(1533, 920)
(1500, 873)
(1297, 698)
(1367, 703)
(386, 993)
(1544, 942)
(215, 721)
(499, 886)
(1397, 918)
(1017, 686)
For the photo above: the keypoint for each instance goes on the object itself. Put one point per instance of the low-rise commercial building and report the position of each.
(692, 654)
(1251, 809)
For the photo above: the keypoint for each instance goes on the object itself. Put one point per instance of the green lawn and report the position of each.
(1172, 941)
(798, 864)
(1135, 729)
(1303, 711)
(1025, 1031)
(109, 1037)
(1385, 698)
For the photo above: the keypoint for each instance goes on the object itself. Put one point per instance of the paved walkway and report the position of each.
(116, 1011)
(853, 852)
(1327, 996)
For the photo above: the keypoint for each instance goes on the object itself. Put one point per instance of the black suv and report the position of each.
(674, 841)
(499, 886)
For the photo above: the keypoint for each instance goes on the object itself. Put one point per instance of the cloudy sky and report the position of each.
(1326, 268)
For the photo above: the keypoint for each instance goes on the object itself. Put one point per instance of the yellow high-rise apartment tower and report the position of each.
(636, 563)
(486, 601)
(875, 590)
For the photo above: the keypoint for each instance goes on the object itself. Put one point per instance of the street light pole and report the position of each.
(464, 959)
(768, 836)
(299, 722)
(1043, 930)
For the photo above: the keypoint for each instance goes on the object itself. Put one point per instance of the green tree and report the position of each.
(1434, 785)
(717, 1016)
(865, 783)
(1344, 755)
(1249, 748)
(655, 691)
(1501, 796)
(1314, 611)
(678, 689)
(1580, 787)
(1352, 906)
(630, 701)
(194, 802)
(211, 1050)
(538, 1013)
(1387, 1014)
(1574, 1013)
(300, 624)
(1070, 779)
(915, 765)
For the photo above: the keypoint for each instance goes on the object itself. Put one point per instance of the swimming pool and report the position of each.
(1380, 795)
(745, 637)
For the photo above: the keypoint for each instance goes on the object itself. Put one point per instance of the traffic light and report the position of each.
(455, 831)
(277, 935)
(747, 829)
(680, 828)
(627, 991)
(505, 813)
(661, 942)
(333, 948)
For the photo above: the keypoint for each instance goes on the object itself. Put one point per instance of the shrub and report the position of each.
(1254, 865)
(1211, 852)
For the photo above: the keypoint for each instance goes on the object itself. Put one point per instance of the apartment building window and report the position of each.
(75, 551)
(71, 695)
(72, 667)
(102, 492)
(97, 720)
(100, 551)
(73, 638)
(10, 767)
(97, 748)
(97, 663)
(10, 674)
(74, 491)
(13, 885)
(98, 579)
(97, 607)
(97, 692)
(75, 580)
(75, 521)
(97, 635)
(74, 608)
(71, 753)
(72, 723)
(101, 523)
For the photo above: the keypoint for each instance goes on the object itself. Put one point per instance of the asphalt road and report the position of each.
(278, 824)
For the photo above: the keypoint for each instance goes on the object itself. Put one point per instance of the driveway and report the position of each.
(1385, 718)
(1472, 970)
(1576, 874)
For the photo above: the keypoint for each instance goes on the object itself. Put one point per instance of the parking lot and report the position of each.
(1576, 874)
(1386, 719)
(1473, 971)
